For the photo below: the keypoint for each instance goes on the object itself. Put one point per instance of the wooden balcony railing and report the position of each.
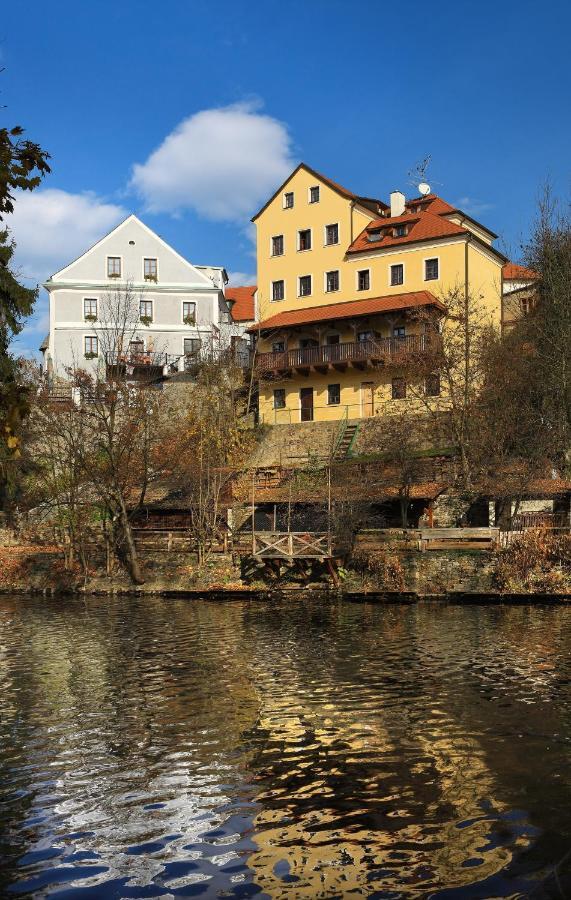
(137, 358)
(381, 350)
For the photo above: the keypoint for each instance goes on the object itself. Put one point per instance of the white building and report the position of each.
(179, 307)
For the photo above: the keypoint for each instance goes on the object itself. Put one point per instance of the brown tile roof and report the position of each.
(243, 304)
(513, 272)
(422, 226)
(349, 309)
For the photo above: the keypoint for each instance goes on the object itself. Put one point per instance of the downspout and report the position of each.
(352, 207)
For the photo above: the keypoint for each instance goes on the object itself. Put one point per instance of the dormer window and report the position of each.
(400, 231)
(376, 235)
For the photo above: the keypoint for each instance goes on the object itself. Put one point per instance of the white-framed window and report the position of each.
(288, 200)
(278, 290)
(304, 286)
(332, 234)
(277, 246)
(432, 269)
(113, 267)
(396, 274)
(314, 194)
(146, 309)
(304, 239)
(150, 268)
(332, 281)
(89, 309)
(91, 345)
(399, 331)
(363, 279)
(188, 312)
(333, 394)
(191, 346)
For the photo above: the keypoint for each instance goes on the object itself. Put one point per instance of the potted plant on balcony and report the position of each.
(146, 320)
(151, 278)
(189, 320)
(90, 317)
(91, 355)
(114, 275)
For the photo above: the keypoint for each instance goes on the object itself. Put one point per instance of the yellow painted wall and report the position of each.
(351, 405)
(332, 208)
(451, 269)
(484, 273)
(485, 280)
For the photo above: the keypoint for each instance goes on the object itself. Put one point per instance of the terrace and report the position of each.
(357, 354)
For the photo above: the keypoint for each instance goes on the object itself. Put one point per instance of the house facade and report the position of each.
(175, 308)
(341, 281)
(519, 293)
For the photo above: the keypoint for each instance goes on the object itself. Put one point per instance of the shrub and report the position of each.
(379, 568)
(536, 562)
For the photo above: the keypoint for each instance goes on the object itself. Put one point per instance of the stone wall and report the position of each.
(447, 571)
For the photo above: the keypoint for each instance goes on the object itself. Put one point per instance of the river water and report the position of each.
(172, 748)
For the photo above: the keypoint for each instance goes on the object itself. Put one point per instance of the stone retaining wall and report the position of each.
(447, 571)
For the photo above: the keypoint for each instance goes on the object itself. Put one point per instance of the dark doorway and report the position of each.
(306, 402)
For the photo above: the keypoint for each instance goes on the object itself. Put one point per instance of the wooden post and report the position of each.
(169, 542)
(253, 511)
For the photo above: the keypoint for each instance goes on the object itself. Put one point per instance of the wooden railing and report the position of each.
(138, 358)
(394, 348)
(291, 545)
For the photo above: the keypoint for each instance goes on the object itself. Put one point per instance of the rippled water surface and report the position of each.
(164, 748)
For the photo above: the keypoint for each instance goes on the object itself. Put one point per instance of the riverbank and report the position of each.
(218, 595)
(388, 577)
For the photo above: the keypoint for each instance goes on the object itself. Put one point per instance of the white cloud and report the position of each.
(223, 163)
(241, 279)
(473, 207)
(52, 227)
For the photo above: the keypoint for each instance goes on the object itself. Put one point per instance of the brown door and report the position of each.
(306, 402)
(367, 398)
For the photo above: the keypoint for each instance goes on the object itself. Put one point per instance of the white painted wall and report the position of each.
(178, 281)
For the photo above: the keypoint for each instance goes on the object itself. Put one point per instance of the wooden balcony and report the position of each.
(359, 354)
(139, 365)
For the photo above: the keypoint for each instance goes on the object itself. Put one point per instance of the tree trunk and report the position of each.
(131, 556)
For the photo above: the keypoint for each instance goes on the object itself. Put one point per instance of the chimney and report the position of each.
(398, 201)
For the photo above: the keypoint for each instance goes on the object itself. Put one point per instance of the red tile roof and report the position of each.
(243, 304)
(349, 309)
(422, 226)
(513, 272)
(432, 203)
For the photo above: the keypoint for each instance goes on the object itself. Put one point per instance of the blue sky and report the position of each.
(190, 113)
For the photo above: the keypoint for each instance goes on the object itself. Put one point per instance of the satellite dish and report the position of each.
(424, 188)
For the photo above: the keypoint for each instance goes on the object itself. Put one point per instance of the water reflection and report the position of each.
(171, 748)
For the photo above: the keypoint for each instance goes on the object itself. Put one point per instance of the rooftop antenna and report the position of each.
(418, 176)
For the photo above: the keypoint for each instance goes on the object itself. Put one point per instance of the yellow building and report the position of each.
(341, 281)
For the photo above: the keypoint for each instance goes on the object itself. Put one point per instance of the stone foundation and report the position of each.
(447, 571)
